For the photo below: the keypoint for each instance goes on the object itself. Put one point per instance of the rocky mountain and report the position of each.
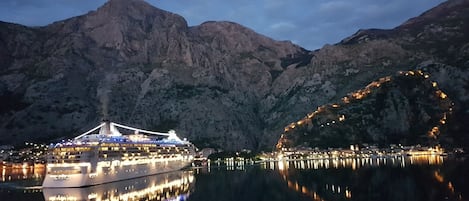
(435, 42)
(219, 84)
(407, 108)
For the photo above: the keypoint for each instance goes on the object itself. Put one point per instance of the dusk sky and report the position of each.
(308, 23)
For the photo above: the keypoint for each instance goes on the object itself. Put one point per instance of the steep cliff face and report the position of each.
(139, 65)
(218, 84)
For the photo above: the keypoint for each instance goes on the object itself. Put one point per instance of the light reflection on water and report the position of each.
(398, 178)
(23, 172)
(362, 172)
(354, 163)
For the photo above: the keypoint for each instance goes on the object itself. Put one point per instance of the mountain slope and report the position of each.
(139, 65)
(407, 109)
(436, 42)
(218, 84)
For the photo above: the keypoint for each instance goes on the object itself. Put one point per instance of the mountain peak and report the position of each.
(126, 7)
(119, 22)
(445, 11)
(123, 14)
(135, 9)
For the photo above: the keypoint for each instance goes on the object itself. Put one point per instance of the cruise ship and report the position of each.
(103, 154)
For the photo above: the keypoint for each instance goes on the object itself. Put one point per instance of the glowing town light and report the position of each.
(372, 84)
(346, 99)
(92, 196)
(348, 194)
(443, 95)
(434, 84)
(341, 117)
(358, 96)
(434, 132)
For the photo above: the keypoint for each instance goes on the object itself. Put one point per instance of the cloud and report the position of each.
(282, 26)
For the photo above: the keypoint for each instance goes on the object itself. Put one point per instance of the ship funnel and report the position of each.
(106, 128)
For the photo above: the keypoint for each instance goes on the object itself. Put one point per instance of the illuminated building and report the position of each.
(108, 156)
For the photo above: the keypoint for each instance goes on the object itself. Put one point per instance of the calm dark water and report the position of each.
(400, 179)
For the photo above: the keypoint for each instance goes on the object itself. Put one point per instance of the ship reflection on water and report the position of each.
(168, 186)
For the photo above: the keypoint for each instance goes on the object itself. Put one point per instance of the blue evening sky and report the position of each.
(308, 23)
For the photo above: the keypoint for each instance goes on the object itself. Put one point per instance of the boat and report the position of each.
(94, 157)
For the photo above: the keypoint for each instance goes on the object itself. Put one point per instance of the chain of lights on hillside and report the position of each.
(433, 133)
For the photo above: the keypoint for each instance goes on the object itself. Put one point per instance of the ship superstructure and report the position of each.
(107, 156)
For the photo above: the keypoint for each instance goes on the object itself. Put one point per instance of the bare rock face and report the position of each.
(138, 65)
(218, 84)
(436, 39)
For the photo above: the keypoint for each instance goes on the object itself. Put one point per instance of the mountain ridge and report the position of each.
(218, 84)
